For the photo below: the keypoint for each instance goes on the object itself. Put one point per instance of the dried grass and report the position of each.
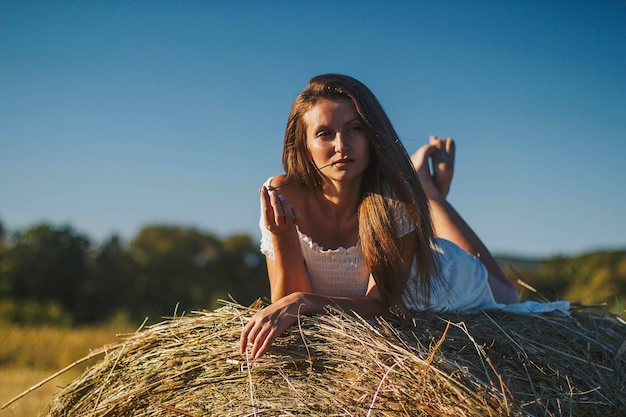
(489, 364)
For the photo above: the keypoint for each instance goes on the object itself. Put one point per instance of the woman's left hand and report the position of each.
(267, 324)
(278, 214)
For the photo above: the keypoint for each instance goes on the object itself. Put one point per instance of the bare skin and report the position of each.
(335, 139)
(448, 223)
(290, 286)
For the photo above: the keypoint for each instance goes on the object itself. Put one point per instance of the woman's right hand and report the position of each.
(278, 214)
(267, 324)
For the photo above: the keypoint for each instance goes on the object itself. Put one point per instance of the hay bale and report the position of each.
(492, 364)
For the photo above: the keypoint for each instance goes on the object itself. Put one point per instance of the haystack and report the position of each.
(488, 364)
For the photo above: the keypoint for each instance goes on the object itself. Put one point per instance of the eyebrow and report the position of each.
(324, 125)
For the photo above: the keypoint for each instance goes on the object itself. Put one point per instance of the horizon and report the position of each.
(125, 240)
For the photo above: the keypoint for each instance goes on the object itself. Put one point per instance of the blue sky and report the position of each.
(117, 114)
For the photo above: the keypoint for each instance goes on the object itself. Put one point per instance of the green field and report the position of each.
(29, 355)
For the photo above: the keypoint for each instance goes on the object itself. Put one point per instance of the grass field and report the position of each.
(29, 355)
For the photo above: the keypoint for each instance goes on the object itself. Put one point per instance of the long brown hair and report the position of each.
(389, 181)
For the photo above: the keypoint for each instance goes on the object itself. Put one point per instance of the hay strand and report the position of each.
(493, 364)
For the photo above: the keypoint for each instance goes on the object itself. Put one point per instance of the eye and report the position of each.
(323, 134)
(355, 128)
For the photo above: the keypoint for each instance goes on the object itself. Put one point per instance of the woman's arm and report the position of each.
(267, 324)
(287, 272)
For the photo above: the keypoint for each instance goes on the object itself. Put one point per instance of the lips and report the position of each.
(343, 161)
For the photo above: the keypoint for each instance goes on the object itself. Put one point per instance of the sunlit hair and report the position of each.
(390, 173)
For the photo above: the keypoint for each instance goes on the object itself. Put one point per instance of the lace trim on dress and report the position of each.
(335, 272)
(403, 227)
(341, 251)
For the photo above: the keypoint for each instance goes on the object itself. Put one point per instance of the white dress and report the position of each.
(463, 286)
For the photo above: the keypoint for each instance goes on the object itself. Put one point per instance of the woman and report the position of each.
(349, 223)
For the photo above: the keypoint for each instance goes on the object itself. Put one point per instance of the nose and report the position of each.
(340, 142)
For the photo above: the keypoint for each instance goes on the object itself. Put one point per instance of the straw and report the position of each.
(337, 364)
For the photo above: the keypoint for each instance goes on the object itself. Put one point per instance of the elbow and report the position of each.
(275, 296)
(377, 308)
(281, 290)
(279, 295)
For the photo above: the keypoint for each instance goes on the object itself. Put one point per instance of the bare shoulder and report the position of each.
(278, 181)
(293, 192)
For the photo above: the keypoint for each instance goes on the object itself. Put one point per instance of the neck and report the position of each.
(340, 199)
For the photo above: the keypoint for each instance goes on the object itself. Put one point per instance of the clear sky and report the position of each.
(117, 114)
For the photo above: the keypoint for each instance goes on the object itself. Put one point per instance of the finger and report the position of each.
(243, 340)
(264, 347)
(276, 206)
(248, 333)
(290, 211)
(450, 147)
(255, 329)
(449, 143)
(421, 155)
(286, 208)
(426, 151)
(260, 342)
(267, 336)
(264, 340)
(436, 141)
(266, 207)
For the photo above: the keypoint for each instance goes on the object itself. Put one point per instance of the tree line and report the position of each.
(55, 274)
(590, 278)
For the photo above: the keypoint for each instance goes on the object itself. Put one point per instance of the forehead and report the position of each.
(329, 112)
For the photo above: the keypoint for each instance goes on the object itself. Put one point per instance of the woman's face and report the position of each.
(335, 135)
